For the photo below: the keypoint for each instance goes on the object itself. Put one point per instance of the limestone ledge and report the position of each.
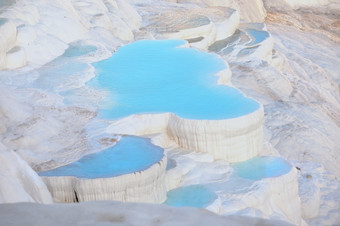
(8, 37)
(147, 186)
(284, 192)
(201, 27)
(212, 32)
(18, 181)
(116, 213)
(234, 139)
(274, 195)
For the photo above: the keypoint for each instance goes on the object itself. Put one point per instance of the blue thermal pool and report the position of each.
(157, 76)
(191, 196)
(130, 154)
(261, 167)
(258, 36)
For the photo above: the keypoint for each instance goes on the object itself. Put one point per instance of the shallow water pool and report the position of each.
(190, 196)
(261, 167)
(130, 154)
(257, 35)
(152, 76)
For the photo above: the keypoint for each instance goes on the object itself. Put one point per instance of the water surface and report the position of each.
(257, 35)
(130, 154)
(261, 167)
(152, 76)
(197, 196)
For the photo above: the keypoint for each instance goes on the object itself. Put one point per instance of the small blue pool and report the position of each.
(130, 154)
(261, 167)
(197, 196)
(257, 35)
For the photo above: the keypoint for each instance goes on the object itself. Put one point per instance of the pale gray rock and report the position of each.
(115, 213)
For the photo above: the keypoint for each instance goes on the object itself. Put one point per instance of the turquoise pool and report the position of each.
(261, 167)
(156, 76)
(130, 154)
(197, 196)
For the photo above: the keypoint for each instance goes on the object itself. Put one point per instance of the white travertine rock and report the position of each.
(208, 32)
(12, 109)
(301, 96)
(41, 139)
(266, 197)
(224, 77)
(26, 35)
(144, 186)
(8, 35)
(15, 58)
(314, 5)
(250, 10)
(140, 124)
(200, 26)
(301, 110)
(309, 193)
(284, 192)
(234, 140)
(226, 28)
(319, 190)
(42, 30)
(18, 181)
(173, 178)
(272, 196)
(128, 14)
(115, 213)
(251, 44)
